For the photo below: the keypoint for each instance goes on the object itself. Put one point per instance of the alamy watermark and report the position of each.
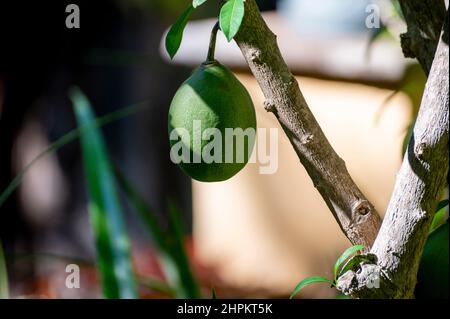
(73, 277)
(373, 280)
(73, 19)
(210, 146)
(373, 19)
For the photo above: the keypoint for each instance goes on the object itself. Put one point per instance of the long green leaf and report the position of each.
(356, 260)
(175, 34)
(4, 289)
(147, 214)
(230, 18)
(191, 286)
(172, 255)
(169, 265)
(307, 281)
(198, 3)
(113, 249)
(345, 255)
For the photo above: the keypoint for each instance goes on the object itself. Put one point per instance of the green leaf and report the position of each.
(440, 216)
(192, 289)
(113, 248)
(213, 293)
(230, 18)
(307, 281)
(197, 3)
(175, 34)
(4, 289)
(345, 255)
(173, 260)
(146, 214)
(349, 265)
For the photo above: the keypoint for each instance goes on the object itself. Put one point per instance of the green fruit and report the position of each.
(216, 98)
(432, 279)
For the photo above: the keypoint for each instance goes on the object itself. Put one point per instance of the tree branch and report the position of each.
(399, 244)
(424, 20)
(355, 214)
(420, 181)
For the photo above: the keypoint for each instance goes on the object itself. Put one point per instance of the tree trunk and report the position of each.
(356, 216)
(399, 244)
(419, 184)
(424, 19)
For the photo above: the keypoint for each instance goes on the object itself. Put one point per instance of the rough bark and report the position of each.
(396, 253)
(422, 176)
(355, 214)
(424, 20)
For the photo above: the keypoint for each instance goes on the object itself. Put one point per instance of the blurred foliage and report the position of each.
(171, 250)
(432, 278)
(173, 257)
(4, 289)
(107, 219)
(112, 245)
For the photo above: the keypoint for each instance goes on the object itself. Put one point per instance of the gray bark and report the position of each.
(400, 241)
(355, 214)
(420, 181)
(424, 20)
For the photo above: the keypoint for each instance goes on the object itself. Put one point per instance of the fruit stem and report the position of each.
(212, 43)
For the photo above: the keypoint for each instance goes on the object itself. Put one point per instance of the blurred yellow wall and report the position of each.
(267, 232)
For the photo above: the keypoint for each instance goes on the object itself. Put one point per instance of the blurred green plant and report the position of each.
(112, 244)
(340, 267)
(109, 226)
(307, 281)
(173, 257)
(4, 288)
(433, 274)
(172, 254)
